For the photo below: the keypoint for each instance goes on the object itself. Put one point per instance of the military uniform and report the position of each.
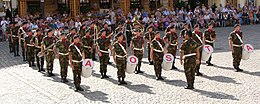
(39, 60)
(47, 41)
(70, 37)
(77, 63)
(15, 40)
(62, 47)
(236, 38)
(158, 53)
(103, 46)
(120, 52)
(93, 32)
(182, 33)
(22, 40)
(8, 31)
(172, 37)
(197, 36)
(209, 36)
(88, 44)
(29, 43)
(137, 46)
(129, 28)
(189, 49)
(149, 36)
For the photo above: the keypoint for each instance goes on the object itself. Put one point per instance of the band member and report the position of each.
(82, 30)
(22, 35)
(190, 55)
(61, 50)
(236, 45)
(171, 38)
(137, 48)
(197, 36)
(15, 39)
(88, 44)
(38, 40)
(73, 32)
(8, 32)
(168, 27)
(103, 44)
(29, 46)
(120, 55)
(109, 34)
(156, 54)
(47, 44)
(183, 31)
(209, 39)
(129, 28)
(75, 56)
(149, 36)
(93, 32)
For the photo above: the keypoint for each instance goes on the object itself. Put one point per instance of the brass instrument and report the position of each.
(40, 54)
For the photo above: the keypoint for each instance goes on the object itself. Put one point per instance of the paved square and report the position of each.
(21, 84)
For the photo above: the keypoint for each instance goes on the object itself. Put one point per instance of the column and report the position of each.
(170, 4)
(74, 8)
(165, 3)
(223, 2)
(146, 4)
(22, 7)
(125, 5)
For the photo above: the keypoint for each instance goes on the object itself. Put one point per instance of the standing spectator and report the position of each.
(4, 25)
(213, 7)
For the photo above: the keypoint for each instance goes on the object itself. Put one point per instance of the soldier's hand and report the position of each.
(57, 56)
(99, 54)
(197, 61)
(133, 52)
(181, 62)
(72, 67)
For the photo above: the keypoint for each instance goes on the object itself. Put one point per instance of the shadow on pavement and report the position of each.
(215, 95)
(221, 79)
(179, 83)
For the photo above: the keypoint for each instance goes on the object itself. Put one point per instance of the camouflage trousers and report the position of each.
(172, 50)
(64, 63)
(50, 60)
(121, 67)
(197, 69)
(93, 54)
(139, 55)
(88, 54)
(24, 54)
(158, 59)
(30, 53)
(148, 51)
(77, 73)
(237, 56)
(103, 62)
(10, 44)
(189, 69)
(16, 46)
(39, 60)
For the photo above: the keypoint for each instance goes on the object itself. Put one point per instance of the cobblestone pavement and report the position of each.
(21, 84)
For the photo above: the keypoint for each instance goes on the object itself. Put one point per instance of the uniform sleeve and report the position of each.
(182, 46)
(152, 45)
(230, 37)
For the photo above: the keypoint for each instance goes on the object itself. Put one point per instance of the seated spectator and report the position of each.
(245, 17)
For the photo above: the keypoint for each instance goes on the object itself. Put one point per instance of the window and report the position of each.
(152, 4)
(84, 6)
(104, 4)
(61, 1)
(135, 4)
(84, 1)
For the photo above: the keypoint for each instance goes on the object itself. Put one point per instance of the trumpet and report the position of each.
(45, 51)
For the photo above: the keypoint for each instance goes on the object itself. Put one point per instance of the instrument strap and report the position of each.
(159, 44)
(122, 47)
(77, 49)
(239, 38)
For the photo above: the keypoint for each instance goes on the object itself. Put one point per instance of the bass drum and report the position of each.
(87, 67)
(247, 51)
(132, 62)
(206, 52)
(167, 61)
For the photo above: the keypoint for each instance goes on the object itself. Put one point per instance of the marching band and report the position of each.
(73, 46)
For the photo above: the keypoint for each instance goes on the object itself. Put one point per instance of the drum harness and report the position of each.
(160, 51)
(239, 40)
(123, 50)
(76, 61)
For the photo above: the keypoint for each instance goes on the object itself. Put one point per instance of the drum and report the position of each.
(87, 66)
(132, 62)
(167, 61)
(247, 51)
(206, 52)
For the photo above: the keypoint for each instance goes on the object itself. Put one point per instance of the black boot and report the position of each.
(198, 74)
(139, 71)
(102, 75)
(160, 77)
(30, 65)
(33, 64)
(80, 89)
(209, 63)
(190, 86)
(51, 73)
(174, 67)
(119, 81)
(39, 69)
(123, 81)
(238, 69)
(151, 63)
(105, 75)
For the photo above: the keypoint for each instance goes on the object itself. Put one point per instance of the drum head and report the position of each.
(168, 57)
(132, 59)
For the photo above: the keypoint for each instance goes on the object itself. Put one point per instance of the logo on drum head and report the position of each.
(207, 48)
(249, 48)
(88, 63)
(132, 59)
(168, 57)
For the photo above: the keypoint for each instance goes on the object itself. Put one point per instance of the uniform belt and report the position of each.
(157, 50)
(22, 39)
(138, 49)
(103, 51)
(76, 61)
(38, 46)
(30, 45)
(15, 36)
(188, 55)
(63, 54)
(173, 44)
(128, 30)
(237, 45)
(86, 46)
(120, 56)
(50, 50)
(209, 41)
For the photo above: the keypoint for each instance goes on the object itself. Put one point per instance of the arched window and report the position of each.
(135, 4)
(105, 4)
(84, 5)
